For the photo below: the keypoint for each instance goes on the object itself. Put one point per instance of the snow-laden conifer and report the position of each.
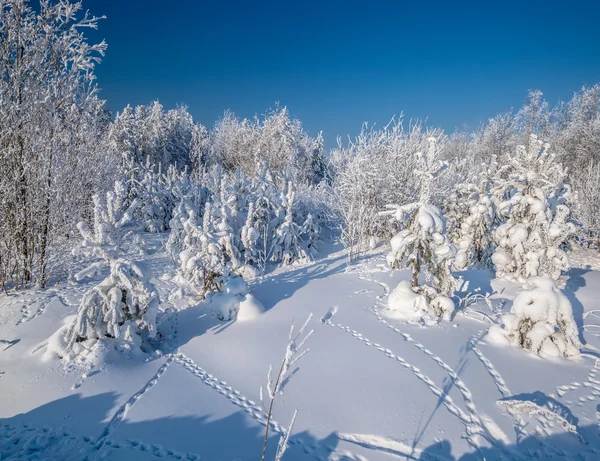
(422, 244)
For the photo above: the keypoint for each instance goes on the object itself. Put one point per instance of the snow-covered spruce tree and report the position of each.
(124, 305)
(181, 213)
(310, 233)
(202, 261)
(475, 220)
(540, 321)
(534, 228)
(287, 245)
(111, 228)
(153, 209)
(250, 236)
(422, 246)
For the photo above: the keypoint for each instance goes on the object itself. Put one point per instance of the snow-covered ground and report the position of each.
(370, 387)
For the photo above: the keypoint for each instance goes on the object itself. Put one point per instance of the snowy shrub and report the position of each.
(234, 302)
(277, 139)
(418, 304)
(588, 205)
(535, 229)
(124, 305)
(540, 321)
(310, 233)
(375, 169)
(181, 213)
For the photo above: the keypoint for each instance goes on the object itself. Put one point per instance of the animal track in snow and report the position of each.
(124, 409)
(473, 425)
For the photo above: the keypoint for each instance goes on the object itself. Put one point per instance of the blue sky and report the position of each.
(338, 64)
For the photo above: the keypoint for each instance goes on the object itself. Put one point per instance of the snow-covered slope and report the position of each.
(370, 387)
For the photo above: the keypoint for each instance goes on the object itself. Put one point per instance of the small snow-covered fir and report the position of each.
(422, 244)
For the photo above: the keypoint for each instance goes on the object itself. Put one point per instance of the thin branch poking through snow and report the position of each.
(292, 355)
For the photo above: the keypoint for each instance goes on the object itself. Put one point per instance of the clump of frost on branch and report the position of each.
(423, 246)
(540, 321)
(293, 353)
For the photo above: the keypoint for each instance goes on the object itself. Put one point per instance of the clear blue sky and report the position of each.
(337, 64)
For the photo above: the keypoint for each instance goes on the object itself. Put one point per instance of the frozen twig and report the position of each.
(292, 355)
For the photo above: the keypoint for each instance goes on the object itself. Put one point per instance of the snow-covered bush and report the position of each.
(422, 244)
(540, 321)
(310, 233)
(123, 307)
(588, 206)
(181, 213)
(411, 304)
(373, 170)
(234, 302)
(277, 138)
(534, 228)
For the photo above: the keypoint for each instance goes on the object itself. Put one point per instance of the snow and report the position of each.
(372, 386)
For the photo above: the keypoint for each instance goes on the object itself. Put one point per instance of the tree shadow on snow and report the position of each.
(48, 433)
(574, 283)
(282, 286)
(563, 445)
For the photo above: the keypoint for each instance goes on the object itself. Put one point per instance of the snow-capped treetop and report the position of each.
(534, 166)
(111, 218)
(428, 168)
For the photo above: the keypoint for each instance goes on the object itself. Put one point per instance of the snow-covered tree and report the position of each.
(534, 228)
(540, 321)
(310, 233)
(475, 215)
(164, 137)
(588, 205)
(52, 150)
(422, 244)
(287, 245)
(202, 259)
(107, 237)
(250, 236)
(124, 306)
(182, 212)
(373, 170)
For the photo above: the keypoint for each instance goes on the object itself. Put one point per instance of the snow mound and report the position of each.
(404, 303)
(235, 302)
(249, 308)
(540, 321)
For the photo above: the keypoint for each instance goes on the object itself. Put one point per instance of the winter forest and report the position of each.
(142, 243)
